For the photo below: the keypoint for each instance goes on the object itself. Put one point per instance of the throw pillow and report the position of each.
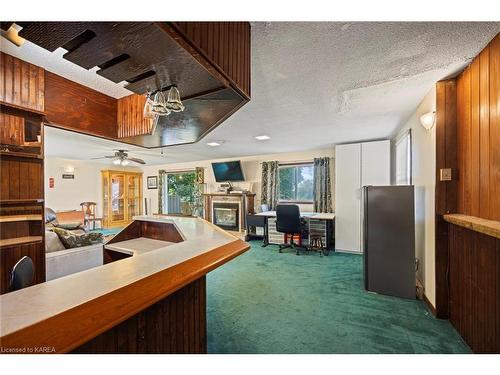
(75, 225)
(71, 240)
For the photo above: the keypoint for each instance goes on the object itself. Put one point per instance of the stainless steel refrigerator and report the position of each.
(388, 240)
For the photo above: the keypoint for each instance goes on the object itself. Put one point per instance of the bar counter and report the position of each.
(153, 301)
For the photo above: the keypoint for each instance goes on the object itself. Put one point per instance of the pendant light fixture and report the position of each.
(174, 100)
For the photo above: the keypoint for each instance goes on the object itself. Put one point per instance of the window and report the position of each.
(296, 183)
(179, 190)
(403, 159)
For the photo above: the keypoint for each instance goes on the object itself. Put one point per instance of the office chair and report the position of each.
(288, 222)
(22, 274)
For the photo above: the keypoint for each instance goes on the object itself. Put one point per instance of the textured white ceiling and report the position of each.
(318, 84)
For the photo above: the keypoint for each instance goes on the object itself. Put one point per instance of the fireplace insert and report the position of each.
(226, 215)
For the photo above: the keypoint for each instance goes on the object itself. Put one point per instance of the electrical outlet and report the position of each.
(445, 174)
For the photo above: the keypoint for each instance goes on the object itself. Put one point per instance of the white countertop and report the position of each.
(138, 246)
(39, 302)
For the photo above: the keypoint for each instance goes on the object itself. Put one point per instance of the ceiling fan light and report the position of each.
(174, 102)
(125, 162)
(116, 161)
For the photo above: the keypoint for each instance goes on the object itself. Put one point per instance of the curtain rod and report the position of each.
(292, 162)
(177, 170)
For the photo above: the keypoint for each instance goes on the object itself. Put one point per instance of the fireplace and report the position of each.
(228, 211)
(226, 215)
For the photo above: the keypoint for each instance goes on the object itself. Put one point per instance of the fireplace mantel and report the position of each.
(245, 203)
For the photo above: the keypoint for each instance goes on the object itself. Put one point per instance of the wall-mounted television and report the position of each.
(228, 171)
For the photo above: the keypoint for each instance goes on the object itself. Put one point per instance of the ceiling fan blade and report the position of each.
(102, 157)
(135, 160)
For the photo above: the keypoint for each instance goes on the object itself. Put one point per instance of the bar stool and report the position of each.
(316, 244)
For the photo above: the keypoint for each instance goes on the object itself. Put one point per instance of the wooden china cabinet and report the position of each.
(122, 197)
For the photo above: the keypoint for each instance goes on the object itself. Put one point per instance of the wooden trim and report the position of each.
(430, 306)
(446, 191)
(74, 327)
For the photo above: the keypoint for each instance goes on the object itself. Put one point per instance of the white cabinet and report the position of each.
(347, 202)
(356, 165)
(376, 163)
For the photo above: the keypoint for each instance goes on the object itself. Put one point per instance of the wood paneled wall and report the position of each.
(176, 324)
(22, 83)
(78, 108)
(226, 44)
(478, 141)
(467, 139)
(21, 178)
(475, 288)
(131, 121)
(11, 129)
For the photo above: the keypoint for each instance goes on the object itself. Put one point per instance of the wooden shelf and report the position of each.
(20, 201)
(11, 218)
(21, 154)
(22, 108)
(20, 241)
(488, 227)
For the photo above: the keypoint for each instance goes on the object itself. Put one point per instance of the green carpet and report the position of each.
(266, 302)
(107, 231)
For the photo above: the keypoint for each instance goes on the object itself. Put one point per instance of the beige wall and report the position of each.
(251, 166)
(68, 194)
(424, 179)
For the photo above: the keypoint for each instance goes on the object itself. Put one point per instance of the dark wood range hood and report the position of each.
(209, 62)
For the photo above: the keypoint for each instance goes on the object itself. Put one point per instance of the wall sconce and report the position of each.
(428, 120)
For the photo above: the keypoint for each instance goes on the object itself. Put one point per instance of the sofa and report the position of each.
(60, 260)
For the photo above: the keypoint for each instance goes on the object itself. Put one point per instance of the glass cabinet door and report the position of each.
(134, 196)
(117, 198)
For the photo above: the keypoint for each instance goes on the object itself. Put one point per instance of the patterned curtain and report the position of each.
(161, 182)
(197, 209)
(269, 191)
(322, 187)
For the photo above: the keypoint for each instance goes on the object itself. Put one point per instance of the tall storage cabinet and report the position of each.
(122, 197)
(356, 165)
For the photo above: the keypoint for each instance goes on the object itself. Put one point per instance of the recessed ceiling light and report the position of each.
(213, 144)
(262, 137)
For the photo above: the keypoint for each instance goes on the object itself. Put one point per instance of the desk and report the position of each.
(306, 215)
(316, 222)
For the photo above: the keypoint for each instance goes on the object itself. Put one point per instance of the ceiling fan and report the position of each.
(121, 158)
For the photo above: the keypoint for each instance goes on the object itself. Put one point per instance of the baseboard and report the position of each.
(429, 305)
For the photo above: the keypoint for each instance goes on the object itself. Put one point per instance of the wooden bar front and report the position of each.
(176, 324)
